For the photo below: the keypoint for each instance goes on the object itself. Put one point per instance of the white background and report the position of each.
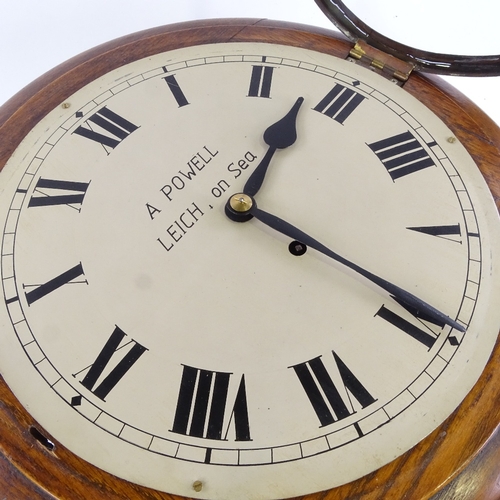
(37, 35)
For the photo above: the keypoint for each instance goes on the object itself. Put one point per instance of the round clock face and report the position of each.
(176, 348)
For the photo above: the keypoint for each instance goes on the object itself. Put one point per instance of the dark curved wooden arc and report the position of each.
(432, 62)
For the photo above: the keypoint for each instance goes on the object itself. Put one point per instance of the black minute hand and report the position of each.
(279, 135)
(422, 309)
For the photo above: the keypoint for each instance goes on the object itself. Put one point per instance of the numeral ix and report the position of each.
(401, 154)
(102, 370)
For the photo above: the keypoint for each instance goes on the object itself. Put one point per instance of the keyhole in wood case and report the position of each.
(45, 442)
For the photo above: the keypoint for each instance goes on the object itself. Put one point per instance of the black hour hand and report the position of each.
(279, 135)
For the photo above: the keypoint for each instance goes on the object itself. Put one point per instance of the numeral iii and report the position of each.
(339, 103)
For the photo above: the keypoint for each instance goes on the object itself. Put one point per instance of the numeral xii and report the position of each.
(117, 128)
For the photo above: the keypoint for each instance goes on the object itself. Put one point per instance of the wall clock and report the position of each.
(237, 264)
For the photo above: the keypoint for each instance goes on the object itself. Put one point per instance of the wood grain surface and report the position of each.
(460, 460)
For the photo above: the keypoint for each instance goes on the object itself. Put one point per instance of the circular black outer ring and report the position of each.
(429, 62)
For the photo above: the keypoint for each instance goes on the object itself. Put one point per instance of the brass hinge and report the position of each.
(389, 66)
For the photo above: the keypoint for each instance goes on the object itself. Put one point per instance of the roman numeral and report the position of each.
(179, 96)
(339, 103)
(405, 326)
(449, 232)
(115, 125)
(63, 279)
(260, 81)
(201, 405)
(325, 396)
(103, 363)
(74, 193)
(401, 154)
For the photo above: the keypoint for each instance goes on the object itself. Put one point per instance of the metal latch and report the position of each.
(388, 66)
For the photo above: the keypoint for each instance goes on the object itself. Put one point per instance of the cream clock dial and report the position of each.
(172, 346)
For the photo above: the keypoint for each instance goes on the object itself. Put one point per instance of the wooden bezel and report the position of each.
(465, 446)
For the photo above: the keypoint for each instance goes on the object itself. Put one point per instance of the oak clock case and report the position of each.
(147, 334)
